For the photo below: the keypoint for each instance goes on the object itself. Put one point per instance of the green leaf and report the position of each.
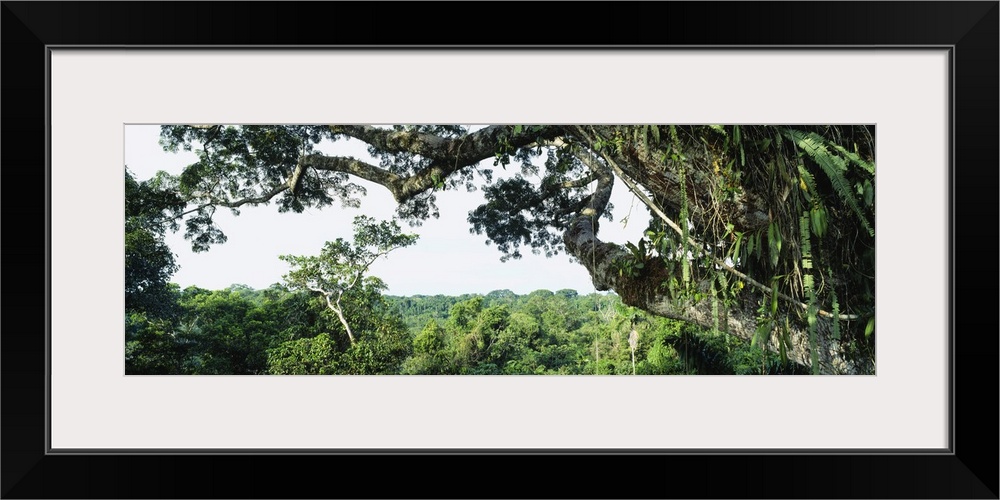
(870, 327)
(762, 336)
(736, 246)
(518, 128)
(774, 243)
(819, 221)
(869, 193)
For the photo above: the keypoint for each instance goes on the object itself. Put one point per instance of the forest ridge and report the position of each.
(240, 330)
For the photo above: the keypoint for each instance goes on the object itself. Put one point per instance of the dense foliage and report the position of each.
(764, 233)
(150, 300)
(243, 331)
(149, 263)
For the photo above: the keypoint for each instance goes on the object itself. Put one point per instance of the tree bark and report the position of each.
(643, 291)
(343, 320)
(335, 307)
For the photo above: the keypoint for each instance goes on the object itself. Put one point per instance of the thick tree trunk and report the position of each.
(643, 291)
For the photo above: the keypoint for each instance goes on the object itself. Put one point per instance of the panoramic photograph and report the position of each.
(499, 249)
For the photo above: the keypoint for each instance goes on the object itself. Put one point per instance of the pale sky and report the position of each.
(447, 259)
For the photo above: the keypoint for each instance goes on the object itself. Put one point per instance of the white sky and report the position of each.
(447, 259)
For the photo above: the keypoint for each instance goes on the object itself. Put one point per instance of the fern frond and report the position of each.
(808, 284)
(723, 281)
(834, 167)
(855, 159)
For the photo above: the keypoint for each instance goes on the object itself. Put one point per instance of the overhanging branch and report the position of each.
(719, 262)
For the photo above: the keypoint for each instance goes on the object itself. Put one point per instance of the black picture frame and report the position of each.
(970, 29)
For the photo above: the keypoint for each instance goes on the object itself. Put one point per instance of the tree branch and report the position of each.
(336, 309)
(396, 141)
(721, 263)
(447, 155)
(215, 202)
(352, 166)
(466, 149)
(579, 183)
(643, 291)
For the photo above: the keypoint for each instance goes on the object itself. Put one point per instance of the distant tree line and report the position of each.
(244, 331)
